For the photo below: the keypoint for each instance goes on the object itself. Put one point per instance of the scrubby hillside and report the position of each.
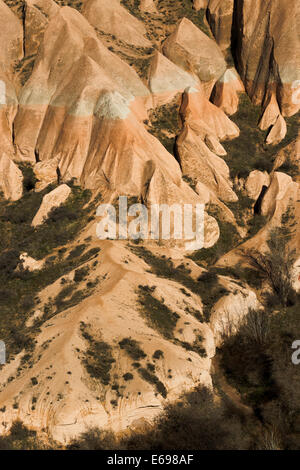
(165, 102)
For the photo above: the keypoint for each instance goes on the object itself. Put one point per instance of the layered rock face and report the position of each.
(11, 39)
(71, 71)
(267, 47)
(263, 36)
(95, 100)
(219, 15)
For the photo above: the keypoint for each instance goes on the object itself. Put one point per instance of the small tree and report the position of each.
(275, 265)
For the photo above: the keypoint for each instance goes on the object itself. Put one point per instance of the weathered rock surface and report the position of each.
(229, 312)
(281, 190)
(255, 182)
(226, 92)
(195, 52)
(11, 178)
(278, 131)
(204, 126)
(68, 408)
(11, 36)
(268, 50)
(281, 198)
(166, 79)
(112, 18)
(11, 51)
(291, 155)
(83, 114)
(30, 263)
(219, 15)
(270, 114)
(50, 201)
(37, 16)
(196, 108)
(148, 6)
(57, 105)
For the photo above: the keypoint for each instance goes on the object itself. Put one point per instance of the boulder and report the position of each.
(51, 201)
(196, 107)
(226, 92)
(270, 114)
(255, 183)
(278, 131)
(11, 178)
(148, 6)
(30, 263)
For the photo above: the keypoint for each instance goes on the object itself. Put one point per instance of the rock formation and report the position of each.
(112, 18)
(219, 15)
(37, 16)
(192, 50)
(167, 79)
(226, 92)
(107, 99)
(50, 201)
(11, 179)
(268, 50)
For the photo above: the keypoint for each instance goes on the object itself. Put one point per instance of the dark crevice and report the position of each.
(257, 206)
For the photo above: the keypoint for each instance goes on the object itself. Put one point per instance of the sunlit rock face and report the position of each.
(267, 50)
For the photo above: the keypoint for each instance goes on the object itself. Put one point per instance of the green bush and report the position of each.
(98, 358)
(158, 354)
(132, 348)
(152, 379)
(128, 376)
(157, 314)
(209, 293)
(249, 151)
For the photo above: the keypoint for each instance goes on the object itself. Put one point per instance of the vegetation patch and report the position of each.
(229, 238)
(157, 314)
(148, 376)
(249, 151)
(98, 358)
(165, 124)
(132, 348)
(209, 291)
(18, 296)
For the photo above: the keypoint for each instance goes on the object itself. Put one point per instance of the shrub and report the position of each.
(128, 376)
(157, 314)
(165, 124)
(29, 178)
(209, 293)
(152, 379)
(249, 151)
(81, 274)
(132, 348)
(94, 439)
(98, 359)
(275, 266)
(21, 438)
(196, 421)
(158, 354)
